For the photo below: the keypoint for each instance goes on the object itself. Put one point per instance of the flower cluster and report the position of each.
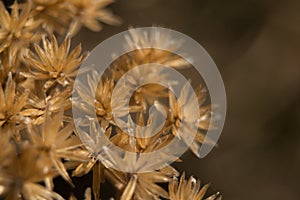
(37, 131)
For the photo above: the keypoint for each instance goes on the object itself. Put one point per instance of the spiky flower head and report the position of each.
(18, 30)
(53, 64)
(55, 141)
(20, 177)
(55, 14)
(189, 189)
(12, 103)
(90, 13)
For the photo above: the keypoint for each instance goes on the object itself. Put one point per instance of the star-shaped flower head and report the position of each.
(18, 29)
(56, 142)
(137, 185)
(20, 178)
(55, 14)
(90, 13)
(12, 103)
(182, 110)
(8, 63)
(154, 49)
(189, 189)
(53, 64)
(95, 97)
(141, 186)
(144, 48)
(39, 102)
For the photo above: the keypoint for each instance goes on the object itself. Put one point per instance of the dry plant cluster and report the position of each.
(38, 139)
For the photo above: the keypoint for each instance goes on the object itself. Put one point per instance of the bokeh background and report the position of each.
(256, 45)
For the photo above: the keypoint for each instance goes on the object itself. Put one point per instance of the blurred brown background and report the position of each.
(256, 45)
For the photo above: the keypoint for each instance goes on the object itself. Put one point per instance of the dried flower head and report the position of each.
(19, 179)
(55, 14)
(141, 186)
(40, 101)
(148, 49)
(17, 31)
(182, 110)
(12, 104)
(93, 142)
(189, 189)
(56, 142)
(135, 185)
(148, 137)
(8, 63)
(144, 94)
(54, 64)
(100, 102)
(154, 48)
(90, 13)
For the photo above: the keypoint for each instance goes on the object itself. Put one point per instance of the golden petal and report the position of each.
(6, 43)
(61, 168)
(170, 171)
(93, 25)
(43, 55)
(65, 133)
(130, 188)
(202, 192)
(178, 63)
(216, 196)
(25, 13)
(21, 101)
(75, 52)
(156, 177)
(2, 101)
(87, 194)
(54, 45)
(63, 49)
(108, 17)
(71, 66)
(35, 75)
(31, 112)
(4, 16)
(49, 183)
(2, 122)
(87, 141)
(10, 92)
(84, 168)
(70, 144)
(74, 27)
(75, 155)
(32, 62)
(98, 178)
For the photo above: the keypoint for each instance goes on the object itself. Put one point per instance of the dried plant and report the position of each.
(52, 102)
(36, 127)
(90, 13)
(189, 189)
(17, 30)
(56, 143)
(56, 14)
(102, 99)
(20, 177)
(12, 105)
(54, 63)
